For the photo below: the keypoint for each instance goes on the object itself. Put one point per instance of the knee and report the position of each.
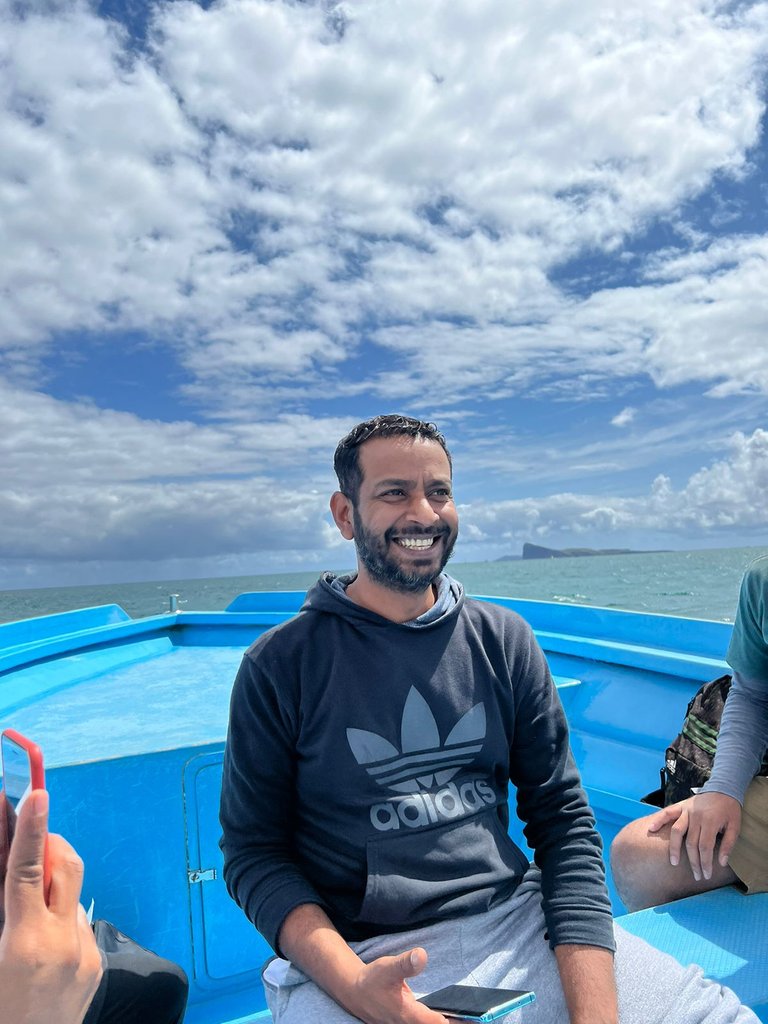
(171, 992)
(620, 843)
(627, 848)
(623, 862)
(151, 989)
(636, 866)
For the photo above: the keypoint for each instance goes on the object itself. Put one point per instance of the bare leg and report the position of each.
(643, 875)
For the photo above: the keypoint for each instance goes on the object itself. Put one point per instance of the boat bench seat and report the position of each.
(722, 931)
(633, 769)
(619, 741)
(604, 752)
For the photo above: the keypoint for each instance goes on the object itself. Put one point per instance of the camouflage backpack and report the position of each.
(689, 758)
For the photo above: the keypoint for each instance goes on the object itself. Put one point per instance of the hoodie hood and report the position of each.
(326, 596)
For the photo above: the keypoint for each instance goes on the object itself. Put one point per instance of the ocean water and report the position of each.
(694, 584)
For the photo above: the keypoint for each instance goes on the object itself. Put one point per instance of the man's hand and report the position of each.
(376, 993)
(382, 996)
(50, 966)
(699, 820)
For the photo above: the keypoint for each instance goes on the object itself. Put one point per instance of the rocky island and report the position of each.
(537, 551)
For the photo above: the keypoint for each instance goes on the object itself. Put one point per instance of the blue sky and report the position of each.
(232, 230)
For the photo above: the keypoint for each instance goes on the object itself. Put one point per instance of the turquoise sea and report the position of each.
(695, 584)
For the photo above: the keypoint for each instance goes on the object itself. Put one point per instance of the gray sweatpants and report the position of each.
(506, 948)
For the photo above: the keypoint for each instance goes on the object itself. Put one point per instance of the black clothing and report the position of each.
(367, 770)
(137, 987)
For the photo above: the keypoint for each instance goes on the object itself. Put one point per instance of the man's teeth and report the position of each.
(416, 542)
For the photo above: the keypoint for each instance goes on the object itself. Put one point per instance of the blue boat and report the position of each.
(132, 714)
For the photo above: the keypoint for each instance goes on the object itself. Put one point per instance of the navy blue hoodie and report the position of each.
(367, 770)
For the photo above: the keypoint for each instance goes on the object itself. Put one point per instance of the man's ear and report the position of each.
(341, 510)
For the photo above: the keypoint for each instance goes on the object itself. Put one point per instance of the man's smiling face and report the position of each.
(405, 521)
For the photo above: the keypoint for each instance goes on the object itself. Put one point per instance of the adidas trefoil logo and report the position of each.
(423, 764)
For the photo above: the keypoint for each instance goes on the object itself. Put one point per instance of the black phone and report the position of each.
(473, 1002)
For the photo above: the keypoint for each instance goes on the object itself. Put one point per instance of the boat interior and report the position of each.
(131, 715)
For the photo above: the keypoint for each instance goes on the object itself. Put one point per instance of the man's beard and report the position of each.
(373, 550)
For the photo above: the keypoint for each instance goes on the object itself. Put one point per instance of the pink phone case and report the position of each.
(37, 781)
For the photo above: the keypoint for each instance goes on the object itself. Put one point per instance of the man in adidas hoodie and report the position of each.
(371, 745)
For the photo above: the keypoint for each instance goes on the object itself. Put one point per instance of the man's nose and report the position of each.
(420, 510)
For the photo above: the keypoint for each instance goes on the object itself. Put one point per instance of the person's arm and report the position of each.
(262, 872)
(743, 735)
(50, 966)
(376, 992)
(559, 824)
(742, 738)
(560, 827)
(589, 984)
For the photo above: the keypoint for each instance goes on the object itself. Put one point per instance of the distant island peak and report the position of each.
(538, 551)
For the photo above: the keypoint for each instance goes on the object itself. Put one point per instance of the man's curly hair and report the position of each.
(346, 460)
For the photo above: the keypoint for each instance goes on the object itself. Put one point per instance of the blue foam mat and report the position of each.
(724, 932)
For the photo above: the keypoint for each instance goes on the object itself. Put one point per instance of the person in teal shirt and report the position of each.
(718, 836)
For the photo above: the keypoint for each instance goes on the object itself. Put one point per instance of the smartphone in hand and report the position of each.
(23, 771)
(473, 1002)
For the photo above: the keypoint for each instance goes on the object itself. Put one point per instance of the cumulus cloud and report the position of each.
(164, 521)
(105, 490)
(729, 493)
(323, 210)
(48, 442)
(625, 417)
(263, 177)
(89, 484)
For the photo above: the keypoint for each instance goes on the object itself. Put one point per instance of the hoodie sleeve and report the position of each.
(257, 802)
(748, 649)
(560, 825)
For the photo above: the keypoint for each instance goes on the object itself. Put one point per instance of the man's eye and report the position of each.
(442, 492)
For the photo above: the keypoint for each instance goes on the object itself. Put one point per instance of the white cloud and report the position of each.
(625, 417)
(45, 443)
(701, 318)
(106, 487)
(217, 189)
(163, 521)
(370, 203)
(730, 493)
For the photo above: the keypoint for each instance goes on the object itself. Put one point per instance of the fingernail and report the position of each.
(414, 959)
(697, 876)
(673, 861)
(39, 800)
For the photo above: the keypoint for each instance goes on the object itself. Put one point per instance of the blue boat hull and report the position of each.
(132, 714)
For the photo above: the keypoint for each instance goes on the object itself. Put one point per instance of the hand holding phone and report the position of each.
(476, 1003)
(57, 983)
(22, 762)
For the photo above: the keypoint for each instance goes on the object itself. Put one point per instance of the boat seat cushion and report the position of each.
(722, 931)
